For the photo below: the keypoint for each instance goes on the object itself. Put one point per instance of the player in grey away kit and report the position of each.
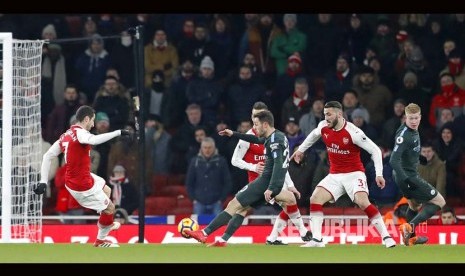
(404, 161)
(268, 187)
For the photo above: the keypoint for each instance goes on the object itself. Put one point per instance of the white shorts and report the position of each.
(341, 183)
(288, 182)
(94, 198)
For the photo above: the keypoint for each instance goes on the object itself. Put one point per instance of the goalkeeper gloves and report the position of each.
(423, 160)
(40, 188)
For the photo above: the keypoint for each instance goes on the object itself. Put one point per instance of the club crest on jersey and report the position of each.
(399, 140)
(106, 202)
(345, 140)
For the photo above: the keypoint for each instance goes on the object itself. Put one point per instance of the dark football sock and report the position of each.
(233, 225)
(220, 220)
(426, 212)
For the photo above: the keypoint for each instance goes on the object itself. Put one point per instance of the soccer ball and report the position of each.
(187, 224)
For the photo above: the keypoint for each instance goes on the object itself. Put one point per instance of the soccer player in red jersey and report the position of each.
(343, 142)
(87, 188)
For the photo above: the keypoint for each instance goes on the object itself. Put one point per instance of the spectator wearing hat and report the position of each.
(455, 67)
(123, 194)
(416, 63)
(339, 80)
(375, 97)
(285, 84)
(206, 92)
(297, 104)
(360, 118)
(58, 119)
(162, 56)
(91, 66)
(291, 41)
(357, 36)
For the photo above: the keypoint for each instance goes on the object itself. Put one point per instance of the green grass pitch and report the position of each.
(234, 253)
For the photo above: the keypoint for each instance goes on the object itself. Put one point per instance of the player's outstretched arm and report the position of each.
(86, 137)
(249, 138)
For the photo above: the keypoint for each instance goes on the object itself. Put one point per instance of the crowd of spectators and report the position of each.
(203, 73)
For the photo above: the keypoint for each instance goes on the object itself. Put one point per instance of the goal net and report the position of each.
(20, 77)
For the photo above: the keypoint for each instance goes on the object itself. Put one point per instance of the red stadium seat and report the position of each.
(158, 182)
(176, 190)
(159, 205)
(184, 202)
(176, 180)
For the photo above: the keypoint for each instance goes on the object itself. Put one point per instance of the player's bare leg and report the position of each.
(361, 199)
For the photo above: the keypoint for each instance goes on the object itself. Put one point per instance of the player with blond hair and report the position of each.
(419, 193)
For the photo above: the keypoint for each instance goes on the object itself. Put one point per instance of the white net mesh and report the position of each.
(26, 153)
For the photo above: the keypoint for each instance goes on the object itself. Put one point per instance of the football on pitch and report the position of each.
(187, 224)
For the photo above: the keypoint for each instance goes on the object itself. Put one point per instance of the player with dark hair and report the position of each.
(88, 189)
(268, 187)
(250, 156)
(419, 193)
(344, 142)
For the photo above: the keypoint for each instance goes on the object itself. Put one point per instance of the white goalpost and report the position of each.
(20, 75)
